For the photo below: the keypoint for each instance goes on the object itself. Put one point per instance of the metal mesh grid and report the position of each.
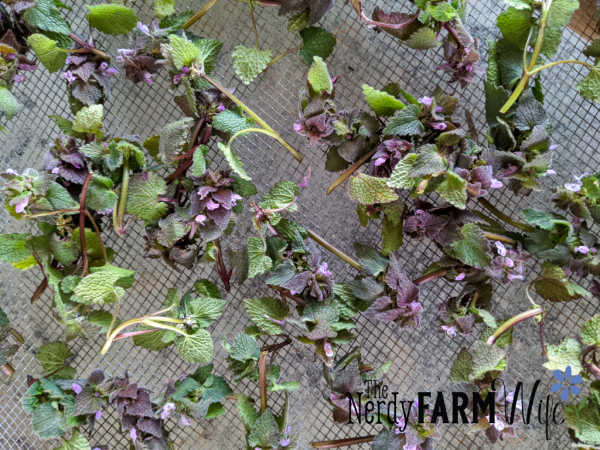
(420, 357)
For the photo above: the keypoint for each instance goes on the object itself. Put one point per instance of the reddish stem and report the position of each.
(186, 163)
(262, 381)
(276, 347)
(285, 294)
(590, 367)
(133, 333)
(430, 277)
(40, 289)
(221, 268)
(343, 442)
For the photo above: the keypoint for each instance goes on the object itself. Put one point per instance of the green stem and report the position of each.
(7, 370)
(343, 442)
(52, 213)
(196, 17)
(250, 130)
(512, 322)
(262, 380)
(499, 237)
(564, 61)
(114, 317)
(254, 116)
(122, 199)
(337, 252)
(349, 171)
(500, 215)
(253, 20)
(162, 326)
(527, 71)
(281, 55)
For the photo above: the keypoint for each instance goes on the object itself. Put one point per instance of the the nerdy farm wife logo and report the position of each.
(498, 406)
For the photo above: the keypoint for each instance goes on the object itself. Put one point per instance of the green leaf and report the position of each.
(258, 261)
(231, 122)
(369, 190)
(247, 411)
(559, 16)
(8, 103)
(553, 284)
(47, 50)
(486, 358)
(184, 52)
(89, 119)
(261, 310)
(391, 227)
(157, 340)
(52, 356)
(203, 311)
(173, 139)
(590, 334)
(422, 39)
(100, 195)
(567, 353)
(101, 286)
(47, 421)
(584, 419)
(370, 259)
(195, 347)
(400, 177)
(318, 77)
(405, 122)
(14, 248)
(299, 21)
(77, 442)
(233, 160)
(142, 198)
(209, 52)
(382, 103)
(589, 87)
(462, 367)
(243, 187)
(112, 18)
(164, 8)
(316, 42)
(264, 432)
(515, 25)
(454, 190)
(443, 12)
(207, 288)
(46, 16)
(244, 348)
(472, 249)
(249, 63)
(199, 161)
(280, 195)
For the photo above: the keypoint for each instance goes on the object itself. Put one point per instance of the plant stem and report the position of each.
(224, 274)
(52, 213)
(254, 116)
(97, 231)
(133, 333)
(250, 130)
(343, 442)
(536, 53)
(500, 215)
(40, 289)
(82, 242)
(430, 276)
(262, 380)
(113, 320)
(7, 370)
(17, 336)
(281, 55)
(122, 199)
(337, 252)
(198, 15)
(276, 347)
(564, 61)
(499, 237)
(349, 171)
(512, 322)
(88, 47)
(253, 20)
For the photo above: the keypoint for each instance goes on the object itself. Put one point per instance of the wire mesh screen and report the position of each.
(421, 357)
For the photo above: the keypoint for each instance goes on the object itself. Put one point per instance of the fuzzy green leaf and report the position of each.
(47, 50)
(382, 103)
(515, 25)
(318, 77)
(264, 432)
(46, 16)
(405, 122)
(584, 418)
(258, 261)
(261, 310)
(14, 248)
(316, 42)
(443, 12)
(89, 119)
(52, 356)
(472, 249)
(454, 190)
(369, 190)
(100, 195)
(112, 18)
(391, 227)
(8, 103)
(590, 334)
(196, 346)
(77, 442)
(486, 358)
(247, 411)
(101, 286)
(234, 161)
(209, 52)
(567, 353)
(244, 347)
(559, 16)
(199, 161)
(231, 122)
(164, 8)
(173, 139)
(142, 199)
(462, 367)
(249, 63)
(47, 421)
(280, 195)
(422, 39)
(589, 87)
(553, 284)
(400, 177)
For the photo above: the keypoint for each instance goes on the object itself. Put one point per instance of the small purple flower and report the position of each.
(500, 248)
(143, 29)
(323, 270)
(68, 75)
(583, 249)
(185, 70)
(185, 421)
(167, 409)
(379, 161)
(76, 388)
(21, 205)
(450, 330)
(593, 250)
(550, 172)
(176, 78)
(509, 262)
(438, 125)
(200, 218)
(148, 78)
(306, 178)
(496, 184)
(98, 415)
(427, 101)
(285, 440)
(133, 434)
(27, 67)
(56, 170)
(221, 108)
(11, 172)
(461, 276)
(328, 349)
(17, 78)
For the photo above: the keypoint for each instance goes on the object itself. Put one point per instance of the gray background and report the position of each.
(421, 357)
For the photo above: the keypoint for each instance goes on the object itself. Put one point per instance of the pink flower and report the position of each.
(461, 276)
(98, 415)
(185, 421)
(176, 78)
(438, 125)
(427, 101)
(200, 218)
(550, 172)
(306, 178)
(133, 434)
(450, 330)
(380, 161)
(68, 75)
(167, 409)
(582, 249)
(328, 349)
(21, 205)
(496, 184)
(500, 248)
(76, 388)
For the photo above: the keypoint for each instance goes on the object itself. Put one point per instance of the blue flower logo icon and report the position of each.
(566, 382)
